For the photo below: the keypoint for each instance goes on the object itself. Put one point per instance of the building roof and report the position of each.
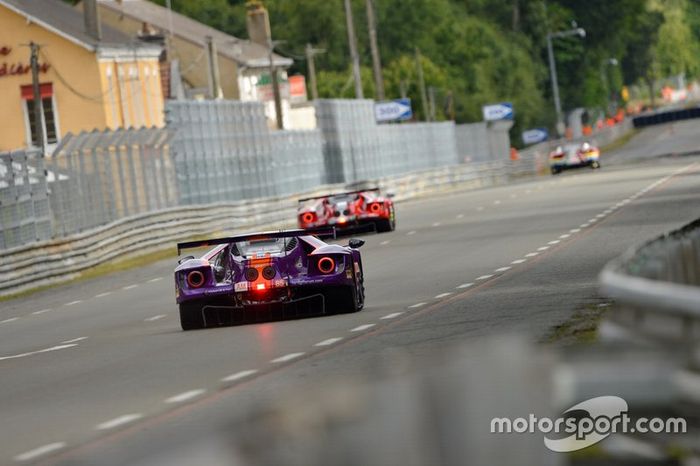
(62, 19)
(243, 51)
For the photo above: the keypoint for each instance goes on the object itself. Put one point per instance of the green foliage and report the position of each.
(483, 51)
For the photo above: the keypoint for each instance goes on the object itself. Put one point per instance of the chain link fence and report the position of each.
(99, 177)
(24, 200)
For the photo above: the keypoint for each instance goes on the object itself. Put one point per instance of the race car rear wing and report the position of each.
(339, 194)
(324, 232)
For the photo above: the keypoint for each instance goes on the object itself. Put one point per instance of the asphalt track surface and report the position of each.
(99, 372)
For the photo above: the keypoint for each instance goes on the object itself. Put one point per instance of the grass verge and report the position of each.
(581, 327)
(616, 144)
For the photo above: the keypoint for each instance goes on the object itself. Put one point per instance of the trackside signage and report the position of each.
(587, 423)
(502, 111)
(393, 110)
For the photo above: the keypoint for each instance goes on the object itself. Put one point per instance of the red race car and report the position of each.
(350, 211)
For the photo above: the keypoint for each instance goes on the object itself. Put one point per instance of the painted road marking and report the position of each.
(480, 207)
(37, 452)
(531, 254)
(574, 230)
(518, 261)
(502, 269)
(543, 248)
(442, 295)
(564, 236)
(412, 232)
(118, 421)
(45, 350)
(437, 224)
(360, 328)
(556, 241)
(73, 303)
(7, 321)
(185, 396)
(43, 311)
(153, 280)
(384, 243)
(417, 305)
(484, 277)
(584, 225)
(465, 285)
(497, 201)
(328, 342)
(154, 318)
(287, 357)
(74, 340)
(460, 216)
(102, 295)
(391, 316)
(130, 287)
(239, 375)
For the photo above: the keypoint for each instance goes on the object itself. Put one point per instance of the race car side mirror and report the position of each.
(355, 243)
(185, 259)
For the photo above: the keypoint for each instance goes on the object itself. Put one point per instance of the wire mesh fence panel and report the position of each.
(25, 215)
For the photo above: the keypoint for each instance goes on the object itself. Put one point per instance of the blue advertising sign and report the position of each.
(502, 111)
(393, 110)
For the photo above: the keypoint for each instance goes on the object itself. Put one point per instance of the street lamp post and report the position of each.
(604, 76)
(553, 70)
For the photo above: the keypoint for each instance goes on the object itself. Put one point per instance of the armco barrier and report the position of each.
(657, 287)
(55, 261)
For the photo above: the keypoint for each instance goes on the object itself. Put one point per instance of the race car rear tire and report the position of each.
(555, 171)
(342, 300)
(191, 316)
(595, 164)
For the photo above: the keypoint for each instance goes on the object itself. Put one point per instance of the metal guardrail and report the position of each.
(657, 286)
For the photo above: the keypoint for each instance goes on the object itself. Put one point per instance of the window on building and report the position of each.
(49, 125)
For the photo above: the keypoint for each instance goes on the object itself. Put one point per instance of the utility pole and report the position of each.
(431, 102)
(555, 83)
(38, 112)
(450, 107)
(276, 87)
(354, 57)
(213, 68)
(421, 85)
(376, 60)
(311, 63)
(402, 88)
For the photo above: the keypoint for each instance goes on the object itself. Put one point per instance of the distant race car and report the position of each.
(349, 211)
(244, 277)
(574, 156)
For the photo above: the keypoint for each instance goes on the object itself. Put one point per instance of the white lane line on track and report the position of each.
(417, 305)
(574, 230)
(7, 321)
(102, 295)
(465, 285)
(239, 375)
(442, 295)
(584, 225)
(130, 287)
(502, 269)
(412, 232)
(480, 207)
(518, 261)
(385, 242)
(287, 357)
(556, 241)
(484, 277)
(362, 327)
(593, 220)
(118, 421)
(437, 224)
(45, 350)
(154, 318)
(40, 451)
(78, 301)
(528, 191)
(182, 397)
(600, 216)
(328, 342)
(531, 254)
(496, 202)
(459, 216)
(564, 236)
(74, 340)
(391, 316)
(512, 196)
(43, 311)
(153, 280)
(543, 248)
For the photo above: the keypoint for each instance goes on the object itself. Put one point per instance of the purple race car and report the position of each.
(251, 275)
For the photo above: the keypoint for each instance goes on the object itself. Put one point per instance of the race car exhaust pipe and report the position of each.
(326, 265)
(195, 279)
(307, 217)
(375, 208)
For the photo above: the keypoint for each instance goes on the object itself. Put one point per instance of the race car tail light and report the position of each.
(375, 207)
(260, 287)
(269, 272)
(308, 217)
(326, 265)
(251, 274)
(195, 279)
